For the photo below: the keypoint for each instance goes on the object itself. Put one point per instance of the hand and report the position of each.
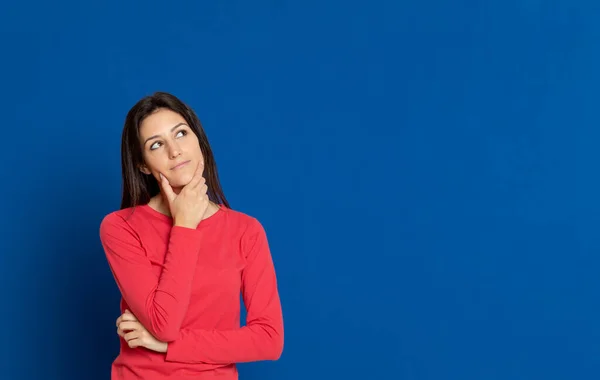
(188, 207)
(136, 335)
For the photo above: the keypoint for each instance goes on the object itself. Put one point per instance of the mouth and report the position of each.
(180, 165)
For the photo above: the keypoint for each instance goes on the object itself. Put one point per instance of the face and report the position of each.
(170, 147)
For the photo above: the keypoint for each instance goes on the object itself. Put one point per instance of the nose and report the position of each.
(174, 150)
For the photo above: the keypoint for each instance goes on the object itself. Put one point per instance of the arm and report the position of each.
(262, 337)
(159, 302)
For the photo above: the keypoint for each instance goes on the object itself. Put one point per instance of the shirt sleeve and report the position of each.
(262, 336)
(158, 301)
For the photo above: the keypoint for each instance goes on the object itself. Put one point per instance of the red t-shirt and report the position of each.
(184, 286)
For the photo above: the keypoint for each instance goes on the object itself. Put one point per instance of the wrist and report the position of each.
(184, 224)
(163, 347)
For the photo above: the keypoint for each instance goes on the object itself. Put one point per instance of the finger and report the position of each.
(128, 318)
(131, 335)
(197, 185)
(166, 187)
(197, 179)
(134, 343)
(121, 332)
(129, 313)
(198, 174)
(129, 325)
(125, 313)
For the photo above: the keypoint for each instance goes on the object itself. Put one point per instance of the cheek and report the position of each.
(192, 147)
(153, 164)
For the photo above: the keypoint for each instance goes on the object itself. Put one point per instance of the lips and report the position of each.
(180, 165)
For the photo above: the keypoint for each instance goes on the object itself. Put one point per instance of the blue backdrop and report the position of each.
(426, 171)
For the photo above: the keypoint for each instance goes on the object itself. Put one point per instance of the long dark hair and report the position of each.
(138, 187)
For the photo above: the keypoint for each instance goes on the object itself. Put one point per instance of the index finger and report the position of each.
(130, 325)
(128, 317)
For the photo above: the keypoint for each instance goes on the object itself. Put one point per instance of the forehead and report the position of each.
(160, 122)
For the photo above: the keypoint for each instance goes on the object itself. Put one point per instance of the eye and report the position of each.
(155, 145)
(181, 132)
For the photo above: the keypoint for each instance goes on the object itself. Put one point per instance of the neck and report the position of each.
(160, 204)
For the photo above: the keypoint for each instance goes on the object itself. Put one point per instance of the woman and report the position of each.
(181, 257)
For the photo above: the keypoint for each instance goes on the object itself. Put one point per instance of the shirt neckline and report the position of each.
(166, 218)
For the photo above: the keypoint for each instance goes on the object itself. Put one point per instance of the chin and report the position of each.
(180, 179)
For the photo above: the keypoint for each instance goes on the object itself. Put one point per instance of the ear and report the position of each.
(144, 169)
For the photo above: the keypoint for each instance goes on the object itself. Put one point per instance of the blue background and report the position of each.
(426, 171)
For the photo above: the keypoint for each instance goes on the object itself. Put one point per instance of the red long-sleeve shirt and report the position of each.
(184, 286)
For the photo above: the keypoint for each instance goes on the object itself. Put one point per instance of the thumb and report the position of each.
(166, 187)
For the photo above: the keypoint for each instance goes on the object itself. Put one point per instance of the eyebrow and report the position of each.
(156, 136)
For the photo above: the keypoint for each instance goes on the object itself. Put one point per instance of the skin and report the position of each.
(136, 335)
(168, 141)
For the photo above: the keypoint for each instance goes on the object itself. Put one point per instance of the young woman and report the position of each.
(181, 257)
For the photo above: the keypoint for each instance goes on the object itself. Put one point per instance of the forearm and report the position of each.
(165, 308)
(246, 344)
(160, 302)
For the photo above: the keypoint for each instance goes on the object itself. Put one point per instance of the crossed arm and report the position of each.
(158, 305)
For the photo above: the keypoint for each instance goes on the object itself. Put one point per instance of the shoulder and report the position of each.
(116, 217)
(252, 233)
(116, 223)
(246, 222)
